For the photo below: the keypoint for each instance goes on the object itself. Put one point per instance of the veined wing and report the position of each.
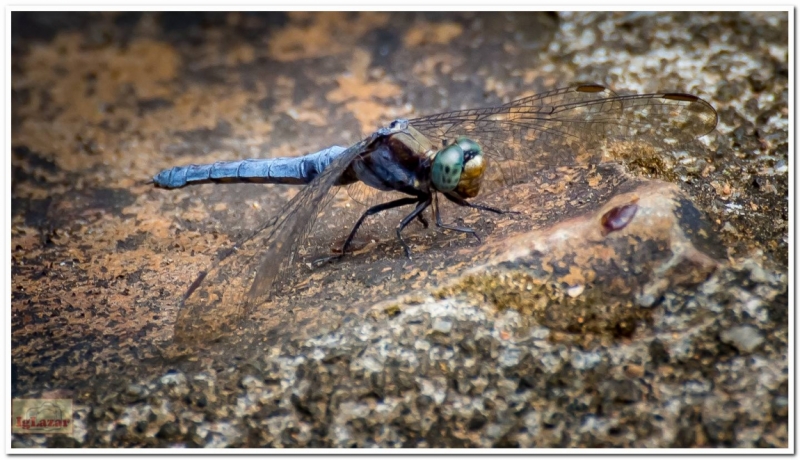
(368, 196)
(247, 274)
(570, 126)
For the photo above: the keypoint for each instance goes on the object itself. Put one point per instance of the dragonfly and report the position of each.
(410, 163)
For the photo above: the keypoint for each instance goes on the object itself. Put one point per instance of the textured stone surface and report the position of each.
(494, 379)
(660, 310)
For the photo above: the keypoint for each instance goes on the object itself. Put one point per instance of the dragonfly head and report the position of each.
(458, 168)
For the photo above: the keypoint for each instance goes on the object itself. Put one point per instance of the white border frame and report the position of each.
(442, 5)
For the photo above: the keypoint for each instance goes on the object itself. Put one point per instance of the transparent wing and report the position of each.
(569, 127)
(368, 196)
(245, 276)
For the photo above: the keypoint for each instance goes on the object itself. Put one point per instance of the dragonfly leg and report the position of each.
(455, 227)
(449, 226)
(462, 202)
(422, 220)
(421, 205)
(372, 211)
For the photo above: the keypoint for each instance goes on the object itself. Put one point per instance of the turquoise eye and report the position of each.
(447, 167)
(471, 148)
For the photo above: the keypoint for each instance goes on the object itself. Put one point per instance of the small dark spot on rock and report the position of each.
(622, 391)
(169, 431)
(720, 433)
(477, 422)
(383, 43)
(658, 352)
(152, 105)
(618, 217)
(624, 328)
(757, 82)
(132, 242)
(616, 430)
(63, 442)
(266, 104)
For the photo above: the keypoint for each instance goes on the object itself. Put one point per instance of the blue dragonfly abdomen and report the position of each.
(296, 170)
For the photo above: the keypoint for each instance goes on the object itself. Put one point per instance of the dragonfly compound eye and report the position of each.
(447, 167)
(471, 148)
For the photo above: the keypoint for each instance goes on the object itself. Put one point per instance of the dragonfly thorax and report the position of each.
(458, 168)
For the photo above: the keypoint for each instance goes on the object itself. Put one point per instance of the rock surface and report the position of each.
(641, 305)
